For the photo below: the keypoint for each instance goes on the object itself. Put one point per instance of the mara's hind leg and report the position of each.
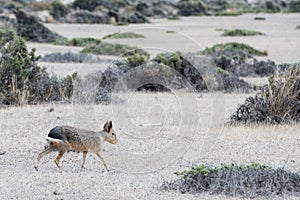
(102, 159)
(60, 154)
(42, 154)
(83, 160)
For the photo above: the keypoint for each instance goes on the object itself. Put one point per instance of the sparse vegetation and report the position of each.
(137, 60)
(241, 32)
(226, 13)
(31, 28)
(22, 81)
(69, 57)
(235, 46)
(247, 181)
(278, 102)
(294, 6)
(223, 72)
(173, 60)
(105, 48)
(58, 10)
(191, 7)
(86, 4)
(121, 23)
(123, 35)
(83, 42)
(170, 31)
(173, 17)
(259, 18)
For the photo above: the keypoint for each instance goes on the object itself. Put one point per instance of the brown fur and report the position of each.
(63, 138)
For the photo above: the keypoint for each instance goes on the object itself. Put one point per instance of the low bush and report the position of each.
(86, 4)
(83, 42)
(105, 48)
(294, 6)
(32, 29)
(247, 181)
(231, 13)
(58, 10)
(241, 32)
(173, 17)
(277, 102)
(235, 46)
(79, 16)
(170, 31)
(22, 81)
(69, 57)
(259, 18)
(239, 59)
(123, 35)
(191, 7)
(137, 60)
(201, 72)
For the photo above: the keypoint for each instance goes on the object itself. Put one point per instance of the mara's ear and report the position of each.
(109, 126)
(106, 126)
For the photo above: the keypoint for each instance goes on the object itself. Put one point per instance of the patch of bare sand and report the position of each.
(24, 129)
(193, 34)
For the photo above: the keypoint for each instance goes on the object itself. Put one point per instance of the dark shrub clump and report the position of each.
(31, 28)
(278, 102)
(249, 181)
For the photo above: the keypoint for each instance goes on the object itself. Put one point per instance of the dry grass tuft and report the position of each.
(277, 102)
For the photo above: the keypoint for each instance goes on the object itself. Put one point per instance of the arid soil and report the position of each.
(158, 133)
(150, 148)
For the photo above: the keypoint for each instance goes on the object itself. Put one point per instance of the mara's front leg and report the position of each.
(102, 159)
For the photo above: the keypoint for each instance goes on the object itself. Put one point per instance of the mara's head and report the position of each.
(108, 128)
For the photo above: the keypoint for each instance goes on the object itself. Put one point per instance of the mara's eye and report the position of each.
(113, 133)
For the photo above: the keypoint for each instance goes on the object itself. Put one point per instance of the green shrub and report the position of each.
(173, 60)
(22, 81)
(105, 48)
(137, 60)
(123, 35)
(223, 72)
(241, 32)
(232, 13)
(83, 42)
(235, 46)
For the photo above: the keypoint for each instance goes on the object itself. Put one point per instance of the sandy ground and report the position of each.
(190, 34)
(195, 33)
(158, 133)
(187, 129)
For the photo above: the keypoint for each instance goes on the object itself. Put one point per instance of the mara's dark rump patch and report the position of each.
(56, 133)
